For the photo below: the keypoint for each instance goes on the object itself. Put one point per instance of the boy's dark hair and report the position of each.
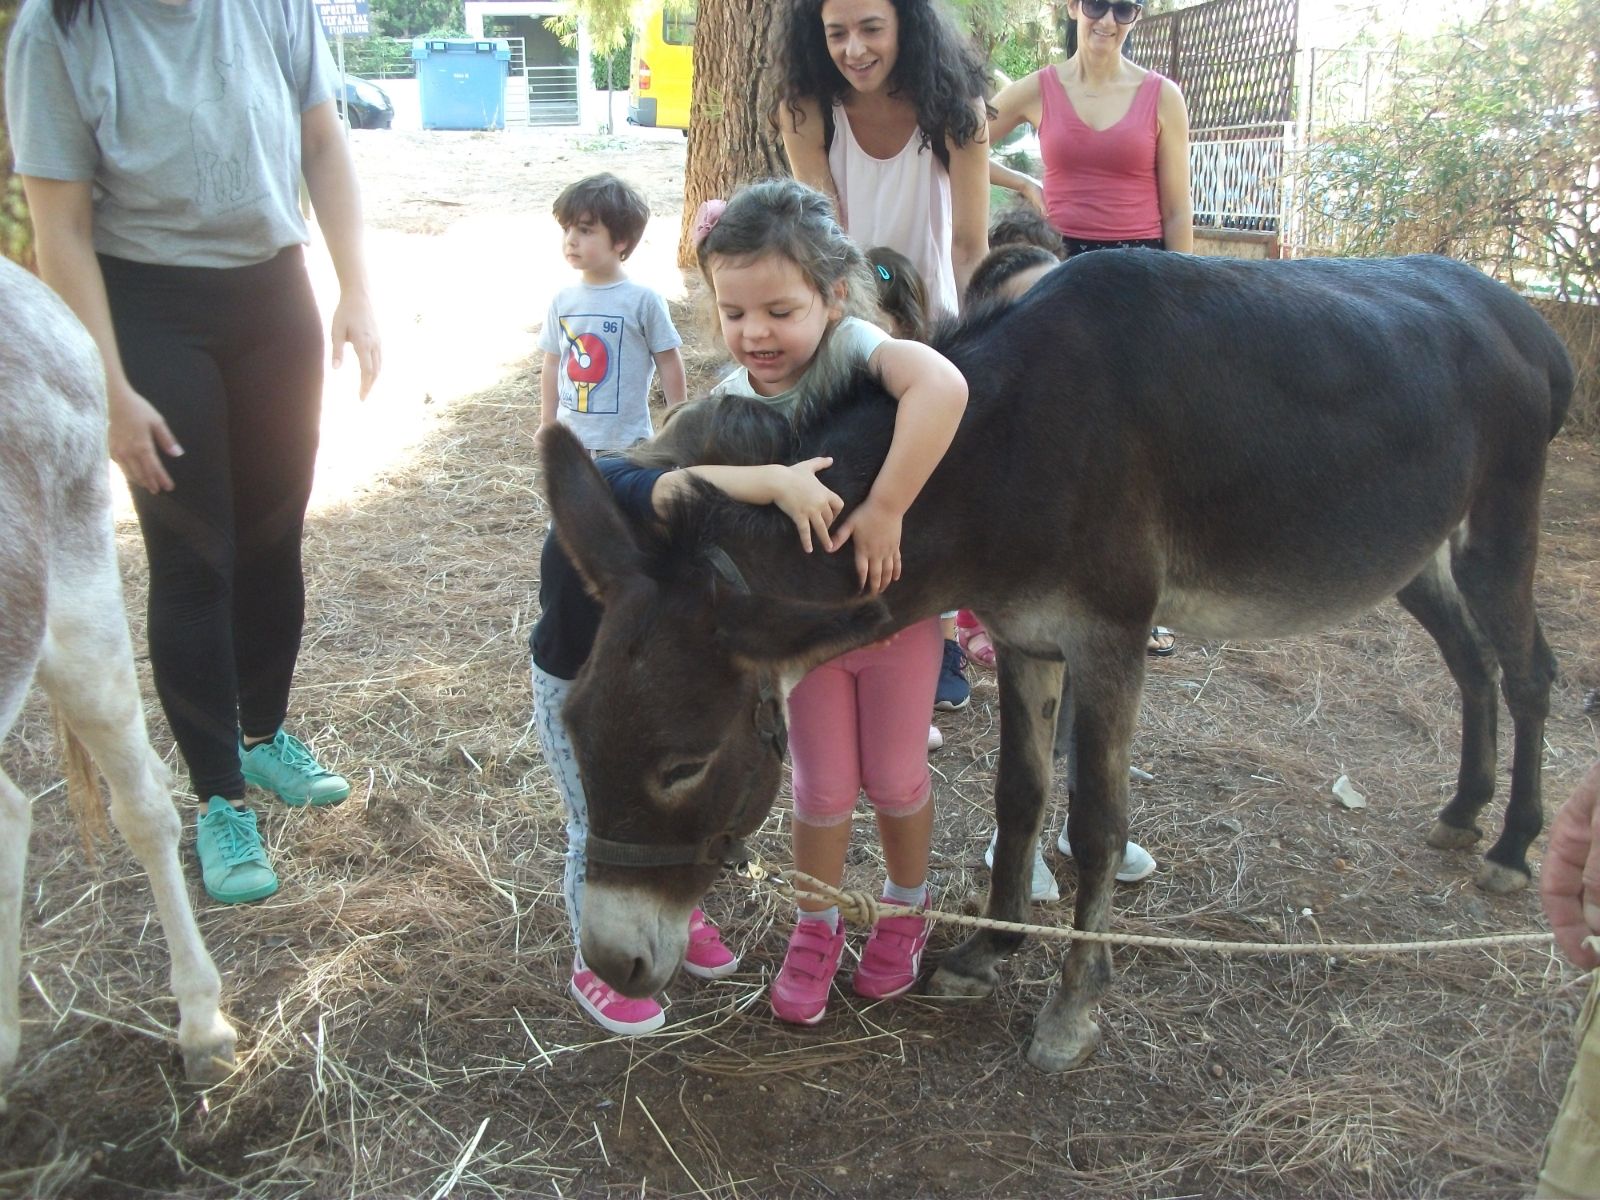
(1000, 264)
(901, 293)
(605, 198)
(1021, 224)
(729, 430)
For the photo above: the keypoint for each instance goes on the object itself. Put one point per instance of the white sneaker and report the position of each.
(1042, 889)
(1137, 864)
(935, 738)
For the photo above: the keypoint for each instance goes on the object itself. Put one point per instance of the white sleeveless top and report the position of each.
(902, 203)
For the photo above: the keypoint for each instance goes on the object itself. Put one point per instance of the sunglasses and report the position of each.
(1125, 12)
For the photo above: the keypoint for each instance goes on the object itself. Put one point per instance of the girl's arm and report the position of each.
(674, 382)
(1025, 186)
(803, 136)
(969, 203)
(1172, 169)
(63, 229)
(796, 490)
(331, 179)
(932, 396)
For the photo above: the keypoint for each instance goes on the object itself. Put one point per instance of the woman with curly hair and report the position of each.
(881, 107)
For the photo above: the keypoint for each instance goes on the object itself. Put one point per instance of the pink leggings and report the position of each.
(860, 721)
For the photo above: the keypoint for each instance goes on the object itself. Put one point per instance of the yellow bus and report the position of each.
(662, 77)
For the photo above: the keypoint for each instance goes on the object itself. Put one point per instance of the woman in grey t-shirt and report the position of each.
(161, 144)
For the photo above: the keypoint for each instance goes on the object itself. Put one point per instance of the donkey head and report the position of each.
(676, 719)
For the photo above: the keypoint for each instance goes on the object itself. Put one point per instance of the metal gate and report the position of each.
(540, 95)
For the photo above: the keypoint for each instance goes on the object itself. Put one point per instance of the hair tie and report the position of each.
(884, 273)
(706, 218)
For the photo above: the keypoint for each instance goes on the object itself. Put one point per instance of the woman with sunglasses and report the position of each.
(1115, 143)
(1114, 138)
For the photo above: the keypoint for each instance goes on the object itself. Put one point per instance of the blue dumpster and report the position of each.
(461, 82)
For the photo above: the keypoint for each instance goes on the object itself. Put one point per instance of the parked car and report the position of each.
(365, 105)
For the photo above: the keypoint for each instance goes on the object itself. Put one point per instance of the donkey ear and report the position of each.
(587, 520)
(796, 633)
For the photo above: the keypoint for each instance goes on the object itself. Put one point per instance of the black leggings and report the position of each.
(232, 359)
(1072, 245)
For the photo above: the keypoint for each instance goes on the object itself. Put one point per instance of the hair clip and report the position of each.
(884, 273)
(706, 218)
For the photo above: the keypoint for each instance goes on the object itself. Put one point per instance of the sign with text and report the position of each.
(346, 18)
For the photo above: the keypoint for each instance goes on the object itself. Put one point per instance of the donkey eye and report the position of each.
(681, 773)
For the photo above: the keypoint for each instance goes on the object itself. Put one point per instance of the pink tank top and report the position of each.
(1100, 184)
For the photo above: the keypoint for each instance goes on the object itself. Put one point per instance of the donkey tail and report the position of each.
(88, 807)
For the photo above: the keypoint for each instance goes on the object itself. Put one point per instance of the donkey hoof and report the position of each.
(1061, 1050)
(1450, 837)
(210, 1065)
(1501, 881)
(953, 984)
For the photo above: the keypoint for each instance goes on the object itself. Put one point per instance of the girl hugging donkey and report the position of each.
(788, 287)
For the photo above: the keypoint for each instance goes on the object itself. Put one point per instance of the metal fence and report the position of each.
(1235, 62)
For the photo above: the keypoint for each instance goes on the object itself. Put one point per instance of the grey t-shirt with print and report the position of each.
(605, 337)
(847, 346)
(186, 118)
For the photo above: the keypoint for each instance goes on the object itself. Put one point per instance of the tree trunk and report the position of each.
(730, 139)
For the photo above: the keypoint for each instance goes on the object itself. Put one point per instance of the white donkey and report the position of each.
(62, 622)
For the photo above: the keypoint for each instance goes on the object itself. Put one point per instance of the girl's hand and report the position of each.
(139, 437)
(807, 501)
(1034, 195)
(353, 322)
(876, 529)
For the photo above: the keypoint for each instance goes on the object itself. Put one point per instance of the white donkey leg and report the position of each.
(88, 672)
(15, 820)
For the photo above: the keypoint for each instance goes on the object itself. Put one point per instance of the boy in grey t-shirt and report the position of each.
(606, 336)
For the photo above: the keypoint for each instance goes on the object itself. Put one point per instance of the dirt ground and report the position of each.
(405, 1027)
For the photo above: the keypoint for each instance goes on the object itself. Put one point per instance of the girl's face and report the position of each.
(863, 39)
(772, 318)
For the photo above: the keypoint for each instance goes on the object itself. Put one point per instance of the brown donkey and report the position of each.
(62, 622)
(1235, 449)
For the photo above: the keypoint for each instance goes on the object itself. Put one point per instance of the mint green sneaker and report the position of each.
(285, 767)
(233, 862)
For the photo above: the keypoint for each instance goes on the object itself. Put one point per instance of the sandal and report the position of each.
(1162, 642)
(974, 640)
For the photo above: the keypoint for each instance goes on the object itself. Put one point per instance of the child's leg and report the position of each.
(893, 691)
(827, 769)
(827, 780)
(609, 1008)
(549, 694)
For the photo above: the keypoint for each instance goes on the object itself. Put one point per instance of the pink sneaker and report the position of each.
(707, 957)
(800, 992)
(892, 956)
(611, 1009)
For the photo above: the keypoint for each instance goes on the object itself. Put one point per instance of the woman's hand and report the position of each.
(1569, 884)
(807, 501)
(139, 437)
(876, 530)
(354, 322)
(1034, 195)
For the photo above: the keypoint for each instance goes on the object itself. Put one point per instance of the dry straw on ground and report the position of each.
(406, 1031)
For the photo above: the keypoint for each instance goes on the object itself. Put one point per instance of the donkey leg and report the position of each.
(1494, 571)
(1106, 686)
(88, 672)
(15, 821)
(1030, 690)
(1433, 599)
